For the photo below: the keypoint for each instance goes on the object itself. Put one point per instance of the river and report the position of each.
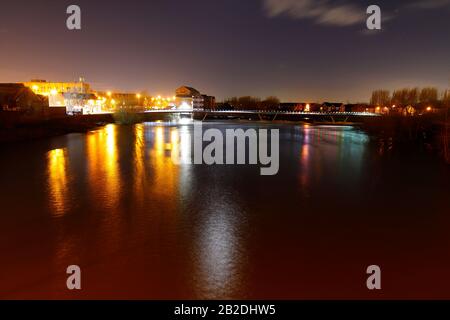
(141, 226)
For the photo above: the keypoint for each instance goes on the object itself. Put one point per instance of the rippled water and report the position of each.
(140, 226)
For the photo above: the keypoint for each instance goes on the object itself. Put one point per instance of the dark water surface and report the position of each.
(139, 226)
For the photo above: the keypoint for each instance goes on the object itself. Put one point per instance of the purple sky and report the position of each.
(298, 50)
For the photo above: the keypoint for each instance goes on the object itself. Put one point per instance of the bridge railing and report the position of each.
(268, 112)
(345, 113)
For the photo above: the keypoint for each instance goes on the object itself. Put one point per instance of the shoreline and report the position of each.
(48, 128)
(52, 128)
(402, 131)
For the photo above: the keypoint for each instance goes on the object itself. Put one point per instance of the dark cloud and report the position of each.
(431, 4)
(337, 13)
(321, 11)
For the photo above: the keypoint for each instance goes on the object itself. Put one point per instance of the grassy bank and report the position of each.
(427, 131)
(14, 130)
(49, 128)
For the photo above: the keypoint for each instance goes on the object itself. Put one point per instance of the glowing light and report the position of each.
(113, 101)
(35, 88)
(307, 108)
(429, 109)
(53, 92)
(109, 93)
(58, 184)
(138, 95)
(185, 106)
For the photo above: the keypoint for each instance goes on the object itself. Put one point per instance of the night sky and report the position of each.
(298, 50)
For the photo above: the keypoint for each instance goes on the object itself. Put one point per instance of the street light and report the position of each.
(138, 96)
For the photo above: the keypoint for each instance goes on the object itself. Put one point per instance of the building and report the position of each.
(209, 102)
(45, 88)
(300, 106)
(333, 107)
(357, 107)
(123, 99)
(188, 98)
(160, 102)
(17, 97)
(75, 97)
(20, 104)
(82, 103)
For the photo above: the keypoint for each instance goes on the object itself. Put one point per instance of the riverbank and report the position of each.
(46, 128)
(428, 131)
(52, 127)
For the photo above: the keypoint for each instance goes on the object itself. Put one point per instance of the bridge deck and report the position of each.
(265, 112)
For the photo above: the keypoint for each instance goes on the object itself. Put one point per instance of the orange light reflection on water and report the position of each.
(57, 181)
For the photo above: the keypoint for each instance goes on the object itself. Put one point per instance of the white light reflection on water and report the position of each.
(220, 249)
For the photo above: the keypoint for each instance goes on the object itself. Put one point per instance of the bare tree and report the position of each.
(380, 98)
(270, 103)
(429, 95)
(400, 97)
(244, 103)
(412, 96)
(446, 98)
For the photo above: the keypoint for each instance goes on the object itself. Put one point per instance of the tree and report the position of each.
(380, 98)
(248, 103)
(270, 103)
(399, 97)
(429, 95)
(412, 96)
(405, 97)
(446, 99)
(233, 102)
(252, 103)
